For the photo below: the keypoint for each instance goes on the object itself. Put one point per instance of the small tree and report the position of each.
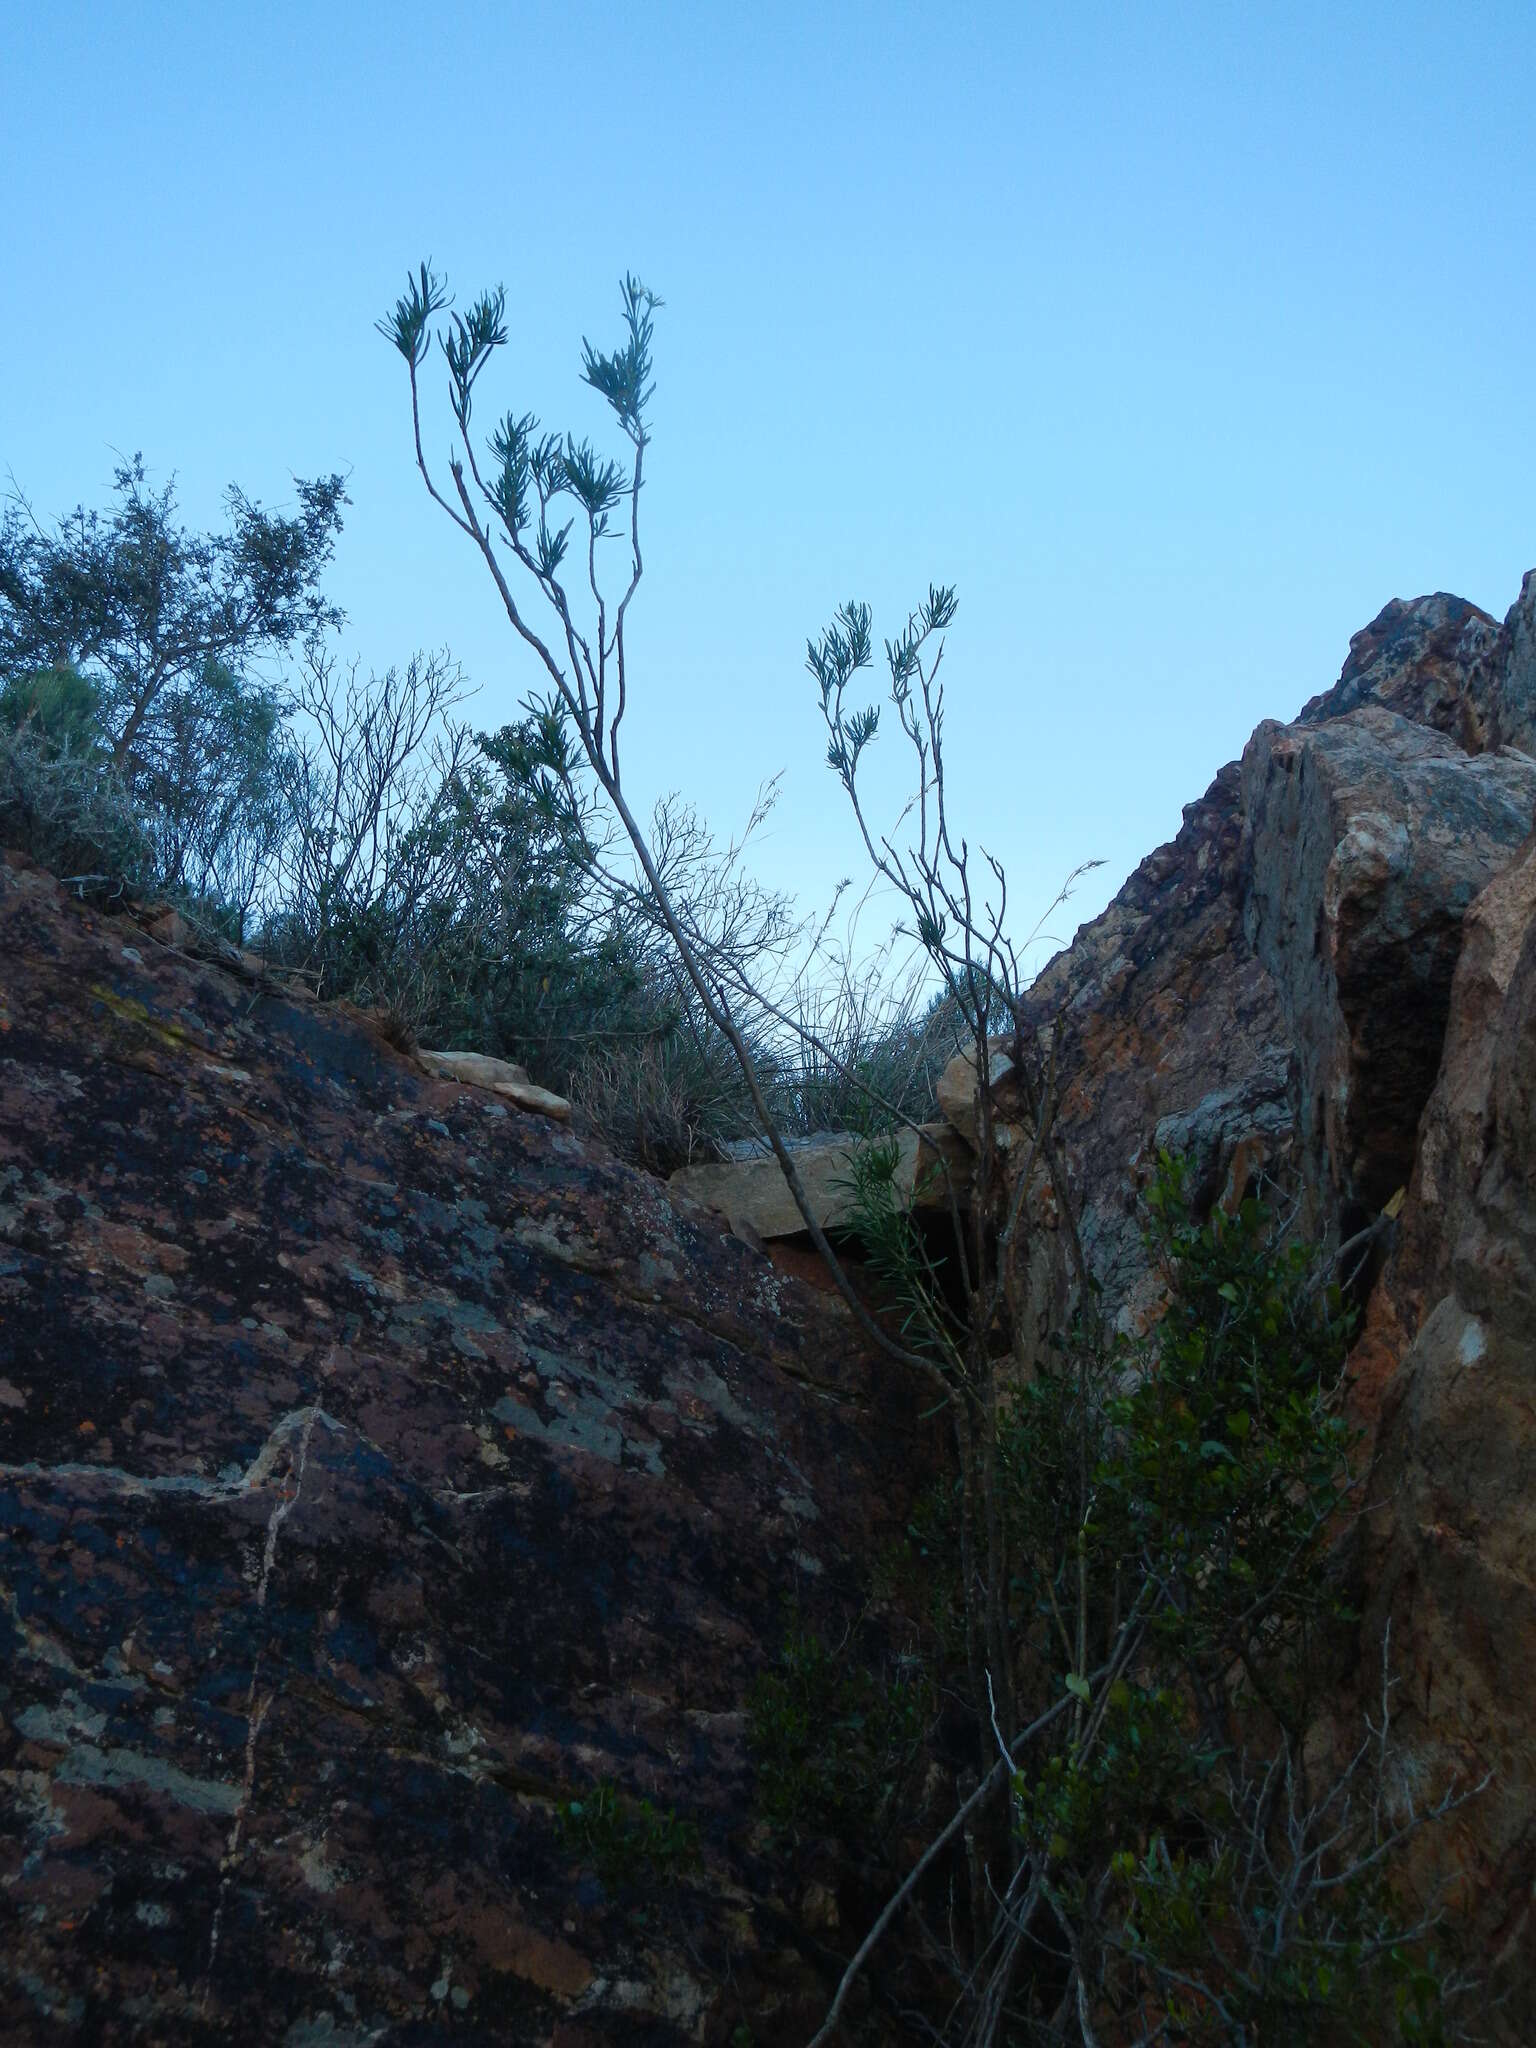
(172, 631)
(509, 508)
(140, 604)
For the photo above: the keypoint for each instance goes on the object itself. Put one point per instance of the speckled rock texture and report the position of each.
(1420, 660)
(379, 1468)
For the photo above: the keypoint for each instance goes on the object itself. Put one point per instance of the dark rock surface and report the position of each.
(379, 1467)
(1417, 659)
(1173, 1036)
(1505, 682)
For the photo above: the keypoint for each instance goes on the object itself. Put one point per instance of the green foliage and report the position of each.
(1228, 1460)
(1087, 1802)
(896, 1253)
(353, 832)
(836, 1741)
(1166, 1515)
(63, 800)
(1195, 1487)
(627, 1840)
(140, 605)
(207, 774)
(1236, 1964)
(59, 708)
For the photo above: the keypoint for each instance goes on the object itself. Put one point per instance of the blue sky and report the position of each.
(1179, 338)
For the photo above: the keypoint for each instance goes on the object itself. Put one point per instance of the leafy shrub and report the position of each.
(1175, 1514)
(835, 1740)
(63, 800)
(626, 1840)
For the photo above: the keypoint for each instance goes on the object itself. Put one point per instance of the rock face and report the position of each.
(1450, 1559)
(1419, 660)
(1269, 992)
(379, 1469)
(1173, 1037)
(1506, 677)
(1330, 974)
(1368, 837)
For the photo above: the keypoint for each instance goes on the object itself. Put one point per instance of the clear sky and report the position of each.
(1180, 338)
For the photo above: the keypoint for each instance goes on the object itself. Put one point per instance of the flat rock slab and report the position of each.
(502, 1077)
(754, 1195)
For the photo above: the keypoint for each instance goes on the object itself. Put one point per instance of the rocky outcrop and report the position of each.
(1368, 836)
(1268, 993)
(1329, 976)
(1449, 1356)
(381, 1468)
(1172, 1036)
(1506, 678)
(1419, 660)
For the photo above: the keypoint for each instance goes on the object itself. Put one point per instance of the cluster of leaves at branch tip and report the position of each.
(529, 468)
(846, 647)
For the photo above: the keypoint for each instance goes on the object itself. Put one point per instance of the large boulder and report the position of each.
(381, 1469)
(1330, 976)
